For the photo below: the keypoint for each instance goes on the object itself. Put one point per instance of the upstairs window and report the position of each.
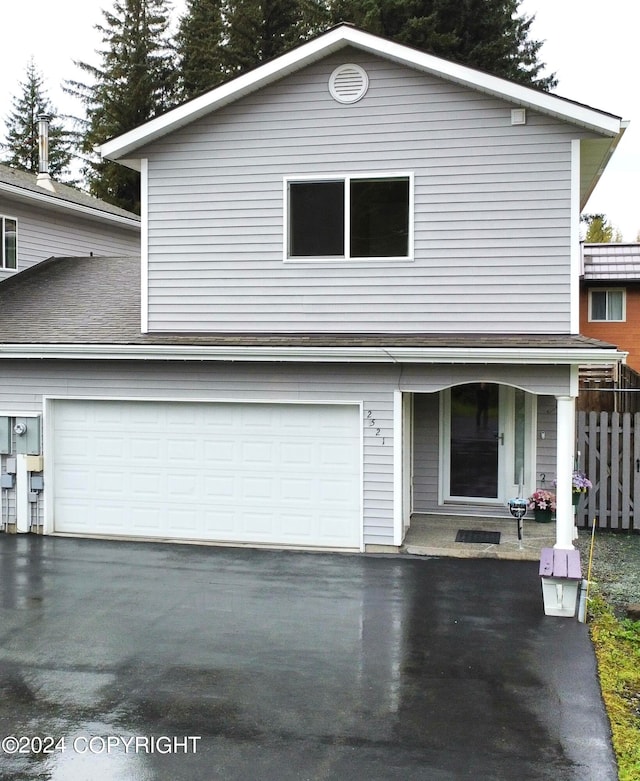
(607, 306)
(350, 217)
(9, 237)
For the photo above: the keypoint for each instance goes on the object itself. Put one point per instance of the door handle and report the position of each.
(500, 437)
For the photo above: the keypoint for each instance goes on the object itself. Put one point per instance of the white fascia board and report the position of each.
(458, 355)
(59, 204)
(119, 148)
(545, 102)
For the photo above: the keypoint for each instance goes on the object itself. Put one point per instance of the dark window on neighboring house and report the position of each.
(354, 217)
(9, 250)
(607, 305)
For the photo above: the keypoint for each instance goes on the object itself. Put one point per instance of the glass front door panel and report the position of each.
(474, 441)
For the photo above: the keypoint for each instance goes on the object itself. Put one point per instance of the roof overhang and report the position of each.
(544, 356)
(62, 205)
(595, 154)
(123, 148)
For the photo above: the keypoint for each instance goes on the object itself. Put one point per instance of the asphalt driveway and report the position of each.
(152, 662)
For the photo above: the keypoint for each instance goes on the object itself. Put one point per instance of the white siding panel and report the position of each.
(44, 233)
(426, 452)
(492, 205)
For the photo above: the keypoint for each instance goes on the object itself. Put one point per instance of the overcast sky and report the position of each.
(591, 46)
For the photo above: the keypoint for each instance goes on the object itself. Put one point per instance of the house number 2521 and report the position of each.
(372, 424)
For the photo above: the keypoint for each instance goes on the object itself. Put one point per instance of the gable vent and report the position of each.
(348, 83)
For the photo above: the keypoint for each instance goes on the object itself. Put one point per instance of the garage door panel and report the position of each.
(298, 525)
(219, 486)
(258, 452)
(147, 448)
(148, 486)
(110, 448)
(256, 489)
(183, 450)
(233, 472)
(335, 492)
(73, 480)
(259, 524)
(221, 452)
(300, 490)
(183, 487)
(75, 446)
(111, 484)
(143, 517)
(333, 526)
(296, 454)
(337, 456)
(182, 521)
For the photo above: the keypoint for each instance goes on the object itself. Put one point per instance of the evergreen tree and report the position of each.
(259, 30)
(600, 230)
(21, 140)
(199, 42)
(135, 81)
(484, 34)
(219, 39)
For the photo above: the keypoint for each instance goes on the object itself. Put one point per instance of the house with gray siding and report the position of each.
(356, 301)
(42, 218)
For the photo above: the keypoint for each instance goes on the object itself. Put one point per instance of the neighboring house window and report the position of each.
(350, 217)
(607, 305)
(9, 230)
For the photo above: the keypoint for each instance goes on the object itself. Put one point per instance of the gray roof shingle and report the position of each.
(96, 301)
(62, 194)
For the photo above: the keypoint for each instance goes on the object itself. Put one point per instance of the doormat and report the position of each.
(477, 535)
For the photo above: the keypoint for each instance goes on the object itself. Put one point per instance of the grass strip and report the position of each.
(617, 648)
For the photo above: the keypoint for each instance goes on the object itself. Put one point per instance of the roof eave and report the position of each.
(121, 147)
(60, 204)
(493, 355)
(608, 153)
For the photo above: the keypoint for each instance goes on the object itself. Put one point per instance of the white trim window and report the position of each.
(607, 305)
(352, 217)
(9, 243)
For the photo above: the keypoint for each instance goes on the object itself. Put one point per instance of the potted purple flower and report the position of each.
(580, 484)
(543, 504)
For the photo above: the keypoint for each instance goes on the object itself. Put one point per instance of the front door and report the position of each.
(474, 442)
(487, 443)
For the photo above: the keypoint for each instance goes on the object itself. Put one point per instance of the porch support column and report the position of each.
(566, 413)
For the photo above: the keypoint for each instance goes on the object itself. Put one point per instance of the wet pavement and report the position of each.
(152, 662)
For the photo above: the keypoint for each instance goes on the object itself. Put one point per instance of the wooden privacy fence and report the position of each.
(609, 447)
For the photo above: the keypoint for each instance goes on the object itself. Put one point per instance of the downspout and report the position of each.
(576, 247)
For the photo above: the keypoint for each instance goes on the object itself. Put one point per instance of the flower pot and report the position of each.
(542, 516)
(576, 496)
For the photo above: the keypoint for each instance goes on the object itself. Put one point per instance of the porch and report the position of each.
(435, 535)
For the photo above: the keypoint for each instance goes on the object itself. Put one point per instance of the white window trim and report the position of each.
(346, 178)
(622, 290)
(3, 265)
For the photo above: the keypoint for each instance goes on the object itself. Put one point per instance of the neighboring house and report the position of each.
(40, 218)
(610, 296)
(610, 310)
(358, 300)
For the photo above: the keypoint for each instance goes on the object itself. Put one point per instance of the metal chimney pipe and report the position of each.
(44, 179)
(43, 144)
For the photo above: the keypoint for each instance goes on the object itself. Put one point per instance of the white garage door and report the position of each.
(284, 474)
